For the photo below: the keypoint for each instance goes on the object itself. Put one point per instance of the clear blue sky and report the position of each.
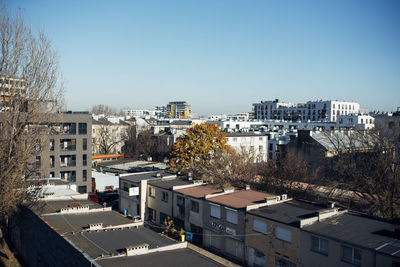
(222, 56)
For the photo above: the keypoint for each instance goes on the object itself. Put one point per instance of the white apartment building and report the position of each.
(250, 142)
(355, 121)
(326, 111)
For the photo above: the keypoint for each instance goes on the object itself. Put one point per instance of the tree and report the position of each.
(226, 168)
(196, 145)
(109, 136)
(368, 164)
(104, 109)
(30, 94)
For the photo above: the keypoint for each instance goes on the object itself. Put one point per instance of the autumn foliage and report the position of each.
(196, 145)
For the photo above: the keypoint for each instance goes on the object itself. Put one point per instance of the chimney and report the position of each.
(229, 189)
(248, 187)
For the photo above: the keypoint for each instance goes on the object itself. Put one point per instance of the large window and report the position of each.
(84, 144)
(351, 255)
(84, 175)
(231, 216)
(151, 192)
(180, 201)
(259, 226)
(283, 234)
(194, 206)
(84, 159)
(215, 211)
(319, 245)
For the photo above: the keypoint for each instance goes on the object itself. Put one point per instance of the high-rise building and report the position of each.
(179, 110)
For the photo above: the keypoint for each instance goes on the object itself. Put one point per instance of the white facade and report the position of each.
(357, 121)
(251, 143)
(326, 111)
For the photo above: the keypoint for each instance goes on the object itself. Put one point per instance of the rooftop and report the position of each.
(179, 257)
(289, 212)
(43, 207)
(354, 228)
(240, 199)
(199, 191)
(169, 183)
(136, 178)
(78, 222)
(243, 134)
(110, 242)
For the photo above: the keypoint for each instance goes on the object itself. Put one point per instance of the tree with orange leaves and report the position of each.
(196, 145)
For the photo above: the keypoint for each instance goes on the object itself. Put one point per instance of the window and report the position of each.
(319, 245)
(231, 216)
(51, 144)
(180, 201)
(215, 211)
(164, 196)
(84, 159)
(283, 234)
(126, 186)
(84, 143)
(351, 255)
(52, 161)
(52, 174)
(82, 126)
(194, 206)
(84, 175)
(152, 214)
(151, 192)
(259, 226)
(280, 262)
(82, 189)
(37, 162)
(260, 148)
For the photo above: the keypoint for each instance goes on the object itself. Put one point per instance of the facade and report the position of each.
(310, 111)
(108, 137)
(250, 142)
(68, 154)
(355, 121)
(224, 224)
(179, 110)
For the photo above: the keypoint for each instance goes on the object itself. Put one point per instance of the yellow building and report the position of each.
(179, 110)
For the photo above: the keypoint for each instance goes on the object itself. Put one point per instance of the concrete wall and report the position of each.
(334, 257)
(39, 245)
(158, 204)
(270, 245)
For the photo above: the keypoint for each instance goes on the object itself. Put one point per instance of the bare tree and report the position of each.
(105, 109)
(108, 139)
(30, 93)
(368, 164)
(226, 168)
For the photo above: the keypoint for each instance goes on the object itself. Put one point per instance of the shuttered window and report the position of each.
(283, 234)
(259, 226)
(231, 216)
(215, 211)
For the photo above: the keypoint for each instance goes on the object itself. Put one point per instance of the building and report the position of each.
(350, 239)
(68, 153)
(189, 207)
(77, 232)
(273, 232)
(108, 137)
(224, 225)
(179, 110)
(310, 111)
(251, 143)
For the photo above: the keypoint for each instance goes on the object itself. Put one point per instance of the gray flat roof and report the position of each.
(114, 241)
(51, 206)
(358, 229)
(288, 212)
(169, 183)
(136, 178)
(78, 222)
(179, 258)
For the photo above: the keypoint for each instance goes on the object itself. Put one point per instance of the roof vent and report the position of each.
(284, 197)
(137, 250)
(95, 226)
(330, 205)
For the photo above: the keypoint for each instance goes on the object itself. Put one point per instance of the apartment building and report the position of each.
(68, 153)
(108, 137)
(310, 111)
(251, 143)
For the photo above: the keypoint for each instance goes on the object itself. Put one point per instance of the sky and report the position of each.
(221, 56)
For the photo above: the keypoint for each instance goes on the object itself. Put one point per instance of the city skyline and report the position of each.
(221, 57)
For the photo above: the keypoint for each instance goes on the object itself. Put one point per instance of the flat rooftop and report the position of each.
(78, 222)
(240, 199)
(168, 183)
(354, 228)
(52, 206)
(136, 178)
(199, 191)
(114, 241)
(289, 212)
(179, 258)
